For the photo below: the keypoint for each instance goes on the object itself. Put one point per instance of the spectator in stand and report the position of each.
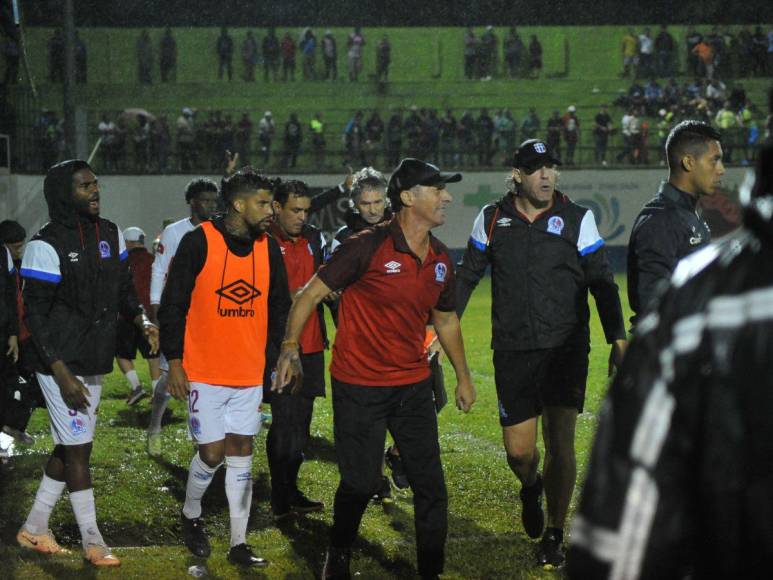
(748, 132)
(394, 139)
(672, 94)
(141, 140)
(629, 49)
(571, 132)
(160, 142)
(354, 141)
(470, 54)
(330, 55)
(665, 122)
(646, 55)
(514, 49)
(271, 52)
(693, 39)
(432, 132)
(106, 130)
(383, 59)
(288, 57)
(308, 48)
(242, 139)
(665, 47)
(225, 53)
(635, 128)
(759, 52)
(625, 128)
(716, 92)
(531, 125)
(726, 121)
(653, 96)
(167, 55)
(374, 135)
(186, 135)
(716, 41)
(555, 127)
(249, 57)
(317, 131)
(535, 57)
(56, 58)
(121, 137)
(467, 143)
(602, 129)
(81, 60)
(485, 132)
(745, 52)
(145, 58)
(447, 134)
(505, 129)
(355, 44)
(266, 130)
(293, 139)
(488, 49)
(705, 55)
(412, 127)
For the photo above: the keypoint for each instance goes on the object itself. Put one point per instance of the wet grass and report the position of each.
(139, 499)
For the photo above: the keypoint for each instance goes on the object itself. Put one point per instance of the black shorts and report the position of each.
(528, 380)
(313, 378)
(129, 339)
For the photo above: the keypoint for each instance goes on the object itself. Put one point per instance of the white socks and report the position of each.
(158, 404)
(86, 515)
(238, 490)
(133, 379)
(48, 494)
(199, 477)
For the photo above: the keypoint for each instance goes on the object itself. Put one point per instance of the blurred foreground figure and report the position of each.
(681, 476)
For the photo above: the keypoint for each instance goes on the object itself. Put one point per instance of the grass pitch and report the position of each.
(139, 499)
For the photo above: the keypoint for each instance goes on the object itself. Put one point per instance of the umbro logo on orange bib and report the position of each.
(238, 292)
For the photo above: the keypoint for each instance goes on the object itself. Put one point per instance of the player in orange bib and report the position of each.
(225, 300)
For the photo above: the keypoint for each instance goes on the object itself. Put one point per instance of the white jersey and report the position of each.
(167, 248)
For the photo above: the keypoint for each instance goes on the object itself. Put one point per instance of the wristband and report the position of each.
(290, 343)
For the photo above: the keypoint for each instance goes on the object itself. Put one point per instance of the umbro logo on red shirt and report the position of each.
(392, 267)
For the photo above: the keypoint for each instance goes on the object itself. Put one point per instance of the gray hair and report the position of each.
(367, 179)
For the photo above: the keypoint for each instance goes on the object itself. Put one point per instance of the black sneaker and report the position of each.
(337, 564)
(302, 505)
(384, 492)
(242, 555)
(194, 537)
(550, 554)
(395, 464)
(531, 509)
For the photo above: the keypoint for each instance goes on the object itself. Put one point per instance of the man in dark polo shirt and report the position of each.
(302, 249)
(394, 278)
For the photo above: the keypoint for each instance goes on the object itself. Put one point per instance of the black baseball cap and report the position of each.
(533, 154)
(412, 172)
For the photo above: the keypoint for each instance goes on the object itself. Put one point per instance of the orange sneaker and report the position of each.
(43, 543)
(100, 555)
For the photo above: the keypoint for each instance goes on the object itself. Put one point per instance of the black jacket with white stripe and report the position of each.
(540, 275)
(680, 481)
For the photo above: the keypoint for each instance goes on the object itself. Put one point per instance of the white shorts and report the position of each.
(68, 426)
(214, 411)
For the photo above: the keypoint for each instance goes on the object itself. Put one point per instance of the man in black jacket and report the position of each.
(302, 249)
(9, 335)
(680, 482)
(76, 283)
(670, 226)
(545, 254)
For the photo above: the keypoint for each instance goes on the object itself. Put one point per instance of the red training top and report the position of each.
(140, 264)
(388, 297)
(299, 263)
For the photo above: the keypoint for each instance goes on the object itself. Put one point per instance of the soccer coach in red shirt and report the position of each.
(395, 277)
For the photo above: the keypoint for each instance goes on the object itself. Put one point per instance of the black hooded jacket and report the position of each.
(76, 282)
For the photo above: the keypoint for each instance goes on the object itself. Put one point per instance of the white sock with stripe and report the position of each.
(199, 477)
(49, 492)
(86, 515)
(238, 490)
